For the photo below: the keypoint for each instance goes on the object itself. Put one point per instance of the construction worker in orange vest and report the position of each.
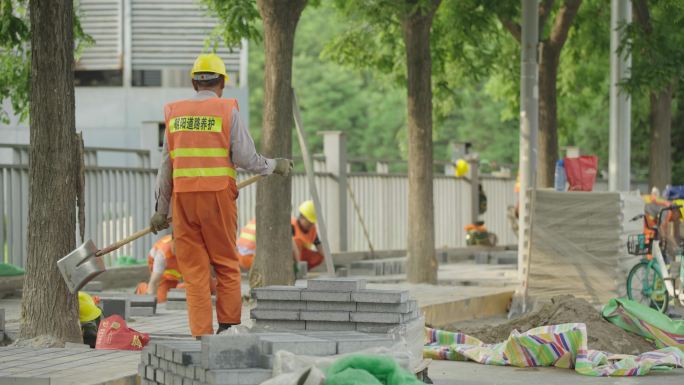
(305, 243)
(164, 273)
(205, 140)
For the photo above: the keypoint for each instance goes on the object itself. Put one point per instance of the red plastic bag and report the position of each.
(113, 334)
(581, 172)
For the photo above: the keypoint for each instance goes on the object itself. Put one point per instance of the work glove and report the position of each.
(283, 166)
(158, 222)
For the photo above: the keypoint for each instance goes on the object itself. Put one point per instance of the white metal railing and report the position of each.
(119, 201)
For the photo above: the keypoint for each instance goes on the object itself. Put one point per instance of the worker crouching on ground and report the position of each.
(205, 140)
(164, 272)
(305, 243)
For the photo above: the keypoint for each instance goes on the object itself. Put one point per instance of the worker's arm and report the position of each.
(158, 267)
(164, 182)
(155, 279)
(243, 154)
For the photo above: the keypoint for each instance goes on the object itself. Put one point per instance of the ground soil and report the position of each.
(602, 335)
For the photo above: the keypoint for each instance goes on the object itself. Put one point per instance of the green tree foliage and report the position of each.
(15, 54)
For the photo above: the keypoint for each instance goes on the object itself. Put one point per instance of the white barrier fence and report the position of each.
(119, 201)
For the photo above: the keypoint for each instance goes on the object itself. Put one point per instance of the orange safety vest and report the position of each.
(198, 137)
(246, 243)
(308, 238)
(165, 246)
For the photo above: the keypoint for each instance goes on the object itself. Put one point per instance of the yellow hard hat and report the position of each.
(208, 63)
(462, 167)
(308, 211)
(87, 310)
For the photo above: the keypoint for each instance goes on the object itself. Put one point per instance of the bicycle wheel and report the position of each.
(645, 285)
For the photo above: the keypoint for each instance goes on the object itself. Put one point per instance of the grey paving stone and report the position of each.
(266, 361)
(230, 352)
(387, 318)
(330, 306)
(380, 296)
(329, 326)
(186, 356)
(332, 316)
(119, 306)
(251, 376)
(404, 307)
(278, 325)
(145, 358)
(144, 300)
(325, 296)
(297, 344)
(176, 305)
(336, 284)
(200, 373)
(280, 305)
(176, 295)
(159, 375)
(149, 373)
(285, 315)
(277, 293)
(355, 345)
(367, 327)
(142, 311)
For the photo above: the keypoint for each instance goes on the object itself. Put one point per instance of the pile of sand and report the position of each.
(603, 335)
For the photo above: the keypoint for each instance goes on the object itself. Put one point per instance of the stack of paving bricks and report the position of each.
(240, 359)
(2, 324)
(128, 305)
(332, 304)
(143, 305)
(377, 267)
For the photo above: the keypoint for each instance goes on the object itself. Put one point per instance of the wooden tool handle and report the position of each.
(142, 233)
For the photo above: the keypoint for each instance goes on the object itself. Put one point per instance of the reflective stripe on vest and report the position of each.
(172, 274)
(198, 138)
(246, 242)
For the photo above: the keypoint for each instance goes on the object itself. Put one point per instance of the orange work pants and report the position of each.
(311, 257)
(246, 261)
(205, 224)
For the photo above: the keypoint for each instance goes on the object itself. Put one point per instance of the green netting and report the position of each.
(646, 322)
(129, 261)
(360, 369)
(8, 270)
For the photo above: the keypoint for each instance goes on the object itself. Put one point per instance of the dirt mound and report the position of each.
(565, 309)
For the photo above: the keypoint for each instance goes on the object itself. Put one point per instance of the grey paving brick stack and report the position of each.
(2, 324)
(242, 359)
(143, 305)
(332, 304)
(176, 300)
(378, 267)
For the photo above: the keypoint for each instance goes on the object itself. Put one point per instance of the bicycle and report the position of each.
(649, 281)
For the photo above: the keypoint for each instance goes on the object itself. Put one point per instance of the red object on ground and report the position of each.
(581, 172)
(114, 334)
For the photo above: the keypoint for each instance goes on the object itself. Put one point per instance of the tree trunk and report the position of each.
(47, 307)
(548, 128)
(660, 157)
(273, 264)
(422, 263)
